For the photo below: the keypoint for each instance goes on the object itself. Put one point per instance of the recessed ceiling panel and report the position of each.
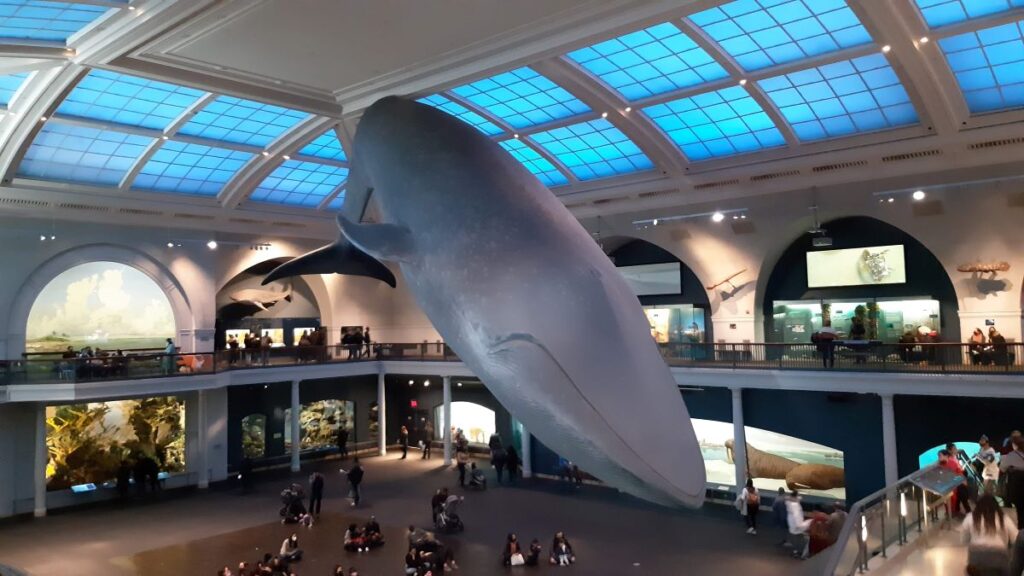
(462, 113)
(188, 168)
(522, 98)
(9, 86)
(939, 13)
(713, 124)
(763, 33)
(841, 99)
(647, 62)
(538, 165)
(298, 183)
(325, 146)
(231, 119)
(44, 20)
(71, 153)
(989, 66)
(595, 149)
(123, 99)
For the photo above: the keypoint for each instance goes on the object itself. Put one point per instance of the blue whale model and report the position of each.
(521, 293)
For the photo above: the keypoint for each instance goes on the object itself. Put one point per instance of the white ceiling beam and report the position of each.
(157, 143)
(600, 99)
(256, 170)
(510, 132)
(42, 51)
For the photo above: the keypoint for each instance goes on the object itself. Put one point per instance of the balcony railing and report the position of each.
(844, 356)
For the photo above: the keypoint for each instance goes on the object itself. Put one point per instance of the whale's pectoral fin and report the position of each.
(338, 258)
(382, 241)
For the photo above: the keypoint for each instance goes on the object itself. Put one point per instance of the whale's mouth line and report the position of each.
(505, 343)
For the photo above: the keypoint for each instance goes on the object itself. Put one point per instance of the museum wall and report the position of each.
(17, 454)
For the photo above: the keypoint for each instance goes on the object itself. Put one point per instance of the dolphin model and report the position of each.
(520, 291)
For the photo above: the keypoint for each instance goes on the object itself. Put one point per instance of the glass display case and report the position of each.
(885, 320)
(676, 323)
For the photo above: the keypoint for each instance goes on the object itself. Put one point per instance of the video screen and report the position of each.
(653, 279)
(856, 267)
(476, 422)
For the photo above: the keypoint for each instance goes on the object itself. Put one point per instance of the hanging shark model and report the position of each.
(262, 299)
(521, 293)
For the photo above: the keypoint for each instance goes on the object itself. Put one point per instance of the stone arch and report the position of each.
(21, 306)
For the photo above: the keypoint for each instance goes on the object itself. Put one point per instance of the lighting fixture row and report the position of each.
(717, 216)
(426, 383)
(890, 197)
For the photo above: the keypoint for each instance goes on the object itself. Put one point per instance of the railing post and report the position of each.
(733, 356)
(883, 528)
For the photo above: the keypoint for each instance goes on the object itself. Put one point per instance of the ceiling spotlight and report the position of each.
(743, 81)
(735, 217)
(265, 153)
(410, 382)
(459, 384)
(886, 49)
(655, 222)
(163, 137)
(212, 244)
(604, 114)
(53, 237)
(42, 118)
(743, 216)
(516, 136)
(426, 383)
(170, 244)
(131, 7)
(924, 39)
(918, 195)
(717, 217)
(629, 108)
(42, 238)
(891, 200)
(286, 157)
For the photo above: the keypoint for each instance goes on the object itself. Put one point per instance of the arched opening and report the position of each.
(477, 422)
(284, 310)
(673, 298)
(872, 275)
(97, 307)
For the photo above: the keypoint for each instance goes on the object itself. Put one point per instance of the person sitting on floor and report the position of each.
(290, 550)
(533, 555)
(372, 536)
(412, 562)
(354, 540)
(512, 555)
(477, 479)
(561, 551)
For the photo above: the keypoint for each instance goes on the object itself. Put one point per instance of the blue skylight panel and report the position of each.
(721, 123)
(462, 113)
(989, 66)
(522, 98)
(594, 149)
(187, 168)
(69, 153)
(762, 33)
(649, 62)
(298, 183)
(231, 119)
(9, 85)
(325, 146)
(840, 99)
(538, 165)
(337, 202)
(43, 20)
(123, 99)
(939, 13)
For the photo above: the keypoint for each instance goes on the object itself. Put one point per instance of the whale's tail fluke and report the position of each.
(341, 257)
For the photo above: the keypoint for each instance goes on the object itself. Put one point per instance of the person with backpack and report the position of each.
(748, 502)
(355, 478)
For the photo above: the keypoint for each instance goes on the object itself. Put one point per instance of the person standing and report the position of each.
(988, 532)
(958, 500)
(1012, 467)
(403, 439)
(232, 350)
(825, 339)
(748, 502)
(461, 460)
(167, 362)
(428, 431)
(265, 346)
(512, 463)
(986, 457)
(497, 454)
(343, 441)
(367, 341)
(355, 478)
(316, 492)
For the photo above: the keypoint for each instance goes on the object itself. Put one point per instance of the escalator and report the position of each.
(973, 473)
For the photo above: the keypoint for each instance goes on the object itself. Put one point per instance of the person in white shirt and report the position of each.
(988, 533)
(798, 526)
(990, 465)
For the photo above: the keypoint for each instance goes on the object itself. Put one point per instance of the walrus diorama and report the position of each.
(797, 476)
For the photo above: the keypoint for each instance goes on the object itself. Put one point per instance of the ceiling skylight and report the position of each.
(190, 168)
(337, 202)
(71, 153)
(299, 183)
(522, 98)
(944, 12)
(43, 20)
(720, 123)
(123, 99)
(9, 86)
(325, 146)
(231, 119)
(762, 33)
(842, 98)
(462, 113)
(538, 165)
(989, 66)
(594, 149)
(647, 62)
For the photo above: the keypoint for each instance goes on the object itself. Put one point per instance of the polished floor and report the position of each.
(197, 533)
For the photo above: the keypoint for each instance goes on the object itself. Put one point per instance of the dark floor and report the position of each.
(198, 533)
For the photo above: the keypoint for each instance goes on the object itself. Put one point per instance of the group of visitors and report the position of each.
(504, 459)
(257, 348)
(806, 533)
(561, 553)
(311, 345)
(358, 344)
(427, 556)
(363, 538)
(270, 565)
(992, 350)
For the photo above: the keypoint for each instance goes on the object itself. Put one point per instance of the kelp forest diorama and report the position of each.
(88, 442)
(320, 422)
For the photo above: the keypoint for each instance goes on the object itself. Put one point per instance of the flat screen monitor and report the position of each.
(856, 267)
(653, 279)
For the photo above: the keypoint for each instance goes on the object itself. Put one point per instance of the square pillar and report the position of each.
(891, 463)
(296, 429)
(40, 462)
(739, 439)
(382, 415)
(447, 409)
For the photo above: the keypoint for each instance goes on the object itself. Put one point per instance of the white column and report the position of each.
(739, 439)
(296, 430)
(525, 451)
(447, 389)
(41, 460)
(889, 441)
(201, 444)
(382, 416)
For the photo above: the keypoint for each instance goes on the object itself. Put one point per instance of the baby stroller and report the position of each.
(293, 509)
(448, 520)
(477, 480)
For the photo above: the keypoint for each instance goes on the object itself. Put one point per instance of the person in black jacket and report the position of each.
(355, 478)
(316, 492)
(343, 442)
(403, 439)
(512, 463)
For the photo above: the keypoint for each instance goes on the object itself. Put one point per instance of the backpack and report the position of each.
(753, 498)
